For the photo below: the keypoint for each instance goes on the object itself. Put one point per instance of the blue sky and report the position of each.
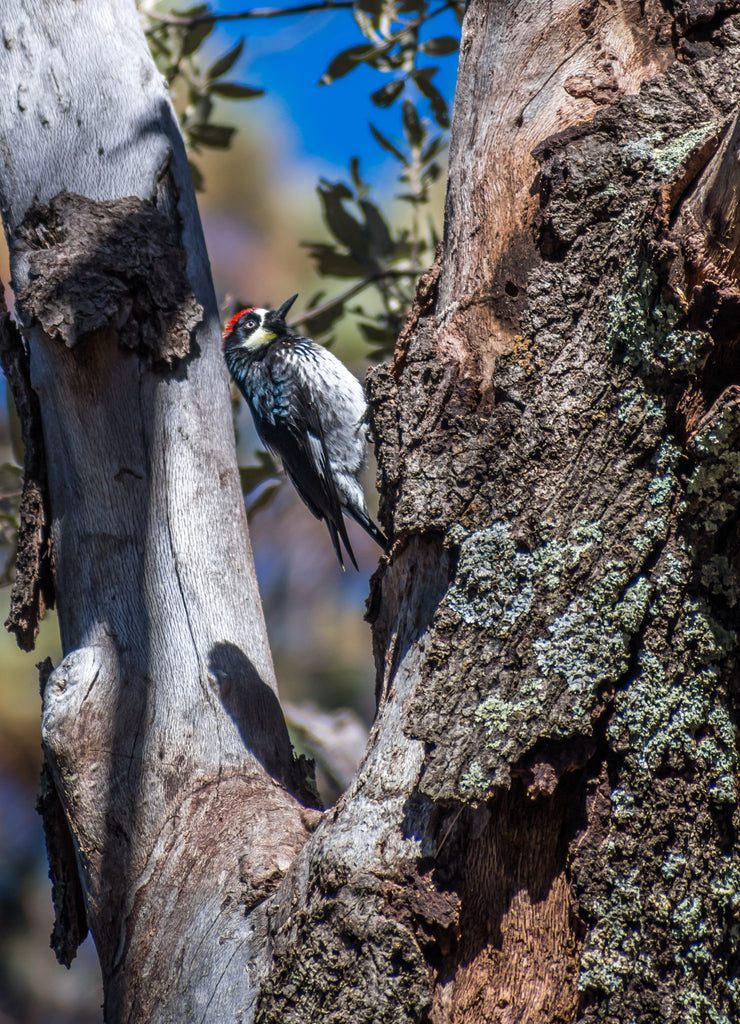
(287, 57)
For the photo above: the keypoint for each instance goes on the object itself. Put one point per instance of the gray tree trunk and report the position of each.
(161, 726)
(544, 825)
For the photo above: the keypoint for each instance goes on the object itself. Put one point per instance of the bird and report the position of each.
(309, 410)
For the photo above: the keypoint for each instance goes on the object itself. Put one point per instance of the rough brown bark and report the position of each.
(576, 679)
(33, 586)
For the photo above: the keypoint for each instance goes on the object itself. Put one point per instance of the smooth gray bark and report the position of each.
(162, 724)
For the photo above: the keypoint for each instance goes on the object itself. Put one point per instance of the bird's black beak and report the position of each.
(282, 312)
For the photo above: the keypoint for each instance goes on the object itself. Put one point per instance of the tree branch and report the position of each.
(354, 290)
(258, 12)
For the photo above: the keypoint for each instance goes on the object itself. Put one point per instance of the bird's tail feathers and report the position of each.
(360, 516)
(335, 532)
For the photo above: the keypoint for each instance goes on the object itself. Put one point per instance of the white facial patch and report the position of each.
(260, 336)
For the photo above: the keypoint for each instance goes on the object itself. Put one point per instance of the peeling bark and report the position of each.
(117, 263)
(33, 586)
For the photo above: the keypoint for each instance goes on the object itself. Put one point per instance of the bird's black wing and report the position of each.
(297, 437)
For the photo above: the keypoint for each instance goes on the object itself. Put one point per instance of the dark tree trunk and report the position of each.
(544, 826)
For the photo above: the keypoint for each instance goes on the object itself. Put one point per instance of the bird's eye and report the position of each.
(251, 322)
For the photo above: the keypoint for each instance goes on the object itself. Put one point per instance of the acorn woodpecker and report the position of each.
(308, 409)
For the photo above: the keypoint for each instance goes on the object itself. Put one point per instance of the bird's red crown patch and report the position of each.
(230, 325)
(235, 317)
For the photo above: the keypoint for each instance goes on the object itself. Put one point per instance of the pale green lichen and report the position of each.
(629, 613)
(606, 592)
(683, 906)
(668, 455)
(715, 487)
(642, 330)
(673, 866)
(713, 490)
(653, 532)
(474, 781)
(710, 640)
(509, 717)
(582, 649)
(685, 351)
(637, 323)
(495, 583)
(668, 159)
(587, 647)
(492, 585)
(612, 949)
(636, 404)
(635, 154)
(675, 571)
(660, 714)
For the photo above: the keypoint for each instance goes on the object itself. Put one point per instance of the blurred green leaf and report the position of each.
(158, 44)
(433, 233)
(263, 499)
(342, 224)
(200, 109)
(340, 190)
(387, 145)
(216, 136)
(440, 111)
(354, 169)
(431, 173)
(390, 92)
(440, 46)
(412, 125)
(325, 320)
(379, 335)
(331, 263)
(435, 146)
(350, 58)
(226, 63)
(195, 35)
(234, 91)
(372, 7)
(382, 243)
